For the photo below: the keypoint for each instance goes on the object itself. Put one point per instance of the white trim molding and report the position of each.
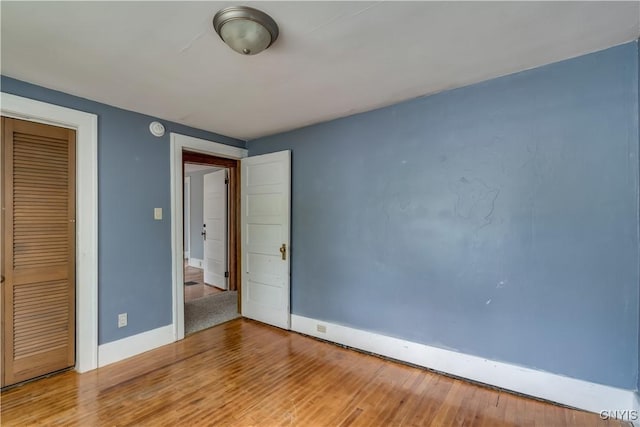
(178, 144)
(86, 126)
(116, 351)
(544, 385)
(636, 408)
(204, 146)
(195, 262)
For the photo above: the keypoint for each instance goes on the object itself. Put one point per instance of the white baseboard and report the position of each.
(127, 347)
(553, 387)
(195, 262)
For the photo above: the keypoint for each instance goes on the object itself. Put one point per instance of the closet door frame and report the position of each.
(86, 127)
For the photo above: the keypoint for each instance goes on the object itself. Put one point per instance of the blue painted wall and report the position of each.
(134, 251)
(499, 219)
(638, 113)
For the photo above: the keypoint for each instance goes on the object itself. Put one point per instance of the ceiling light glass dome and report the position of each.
(246, 30)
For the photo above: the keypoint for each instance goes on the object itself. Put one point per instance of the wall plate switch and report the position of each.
(157, 213)
(122, 320)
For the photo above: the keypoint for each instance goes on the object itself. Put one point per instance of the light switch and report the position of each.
(157, 213)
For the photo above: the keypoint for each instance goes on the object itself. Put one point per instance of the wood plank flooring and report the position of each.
(243, 373)
(191, 292)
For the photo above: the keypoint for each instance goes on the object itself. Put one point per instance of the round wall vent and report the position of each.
(156, 128)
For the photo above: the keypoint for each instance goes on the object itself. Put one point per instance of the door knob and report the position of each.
(283, 251)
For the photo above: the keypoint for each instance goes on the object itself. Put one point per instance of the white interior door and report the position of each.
(215, 228)
(266, 215)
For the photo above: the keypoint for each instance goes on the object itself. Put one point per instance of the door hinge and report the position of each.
(226, 180)
(226, 274)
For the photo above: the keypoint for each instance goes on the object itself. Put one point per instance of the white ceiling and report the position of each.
(332, 59)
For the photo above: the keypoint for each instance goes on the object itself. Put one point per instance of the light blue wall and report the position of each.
(134, 251)
(197, 184)
(499, 219)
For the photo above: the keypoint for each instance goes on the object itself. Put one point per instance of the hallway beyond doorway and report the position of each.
(194, 286)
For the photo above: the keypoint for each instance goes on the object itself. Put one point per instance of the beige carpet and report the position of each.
(209, 311)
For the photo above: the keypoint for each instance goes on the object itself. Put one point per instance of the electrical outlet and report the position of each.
(157, 213)
(122, 320)
(321, 328)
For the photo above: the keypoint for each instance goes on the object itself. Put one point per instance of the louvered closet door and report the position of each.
(38, 265)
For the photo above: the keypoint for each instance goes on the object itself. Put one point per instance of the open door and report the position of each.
(215, 228)
(266, 216)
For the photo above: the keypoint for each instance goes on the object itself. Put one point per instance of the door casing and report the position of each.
(86, 126)
(180, 143)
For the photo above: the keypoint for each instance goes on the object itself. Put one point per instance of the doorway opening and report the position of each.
(210, 245)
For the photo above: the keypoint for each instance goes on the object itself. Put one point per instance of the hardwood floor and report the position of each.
(191, 292)
(243, 373)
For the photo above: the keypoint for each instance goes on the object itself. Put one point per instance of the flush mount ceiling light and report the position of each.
(246, 30)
